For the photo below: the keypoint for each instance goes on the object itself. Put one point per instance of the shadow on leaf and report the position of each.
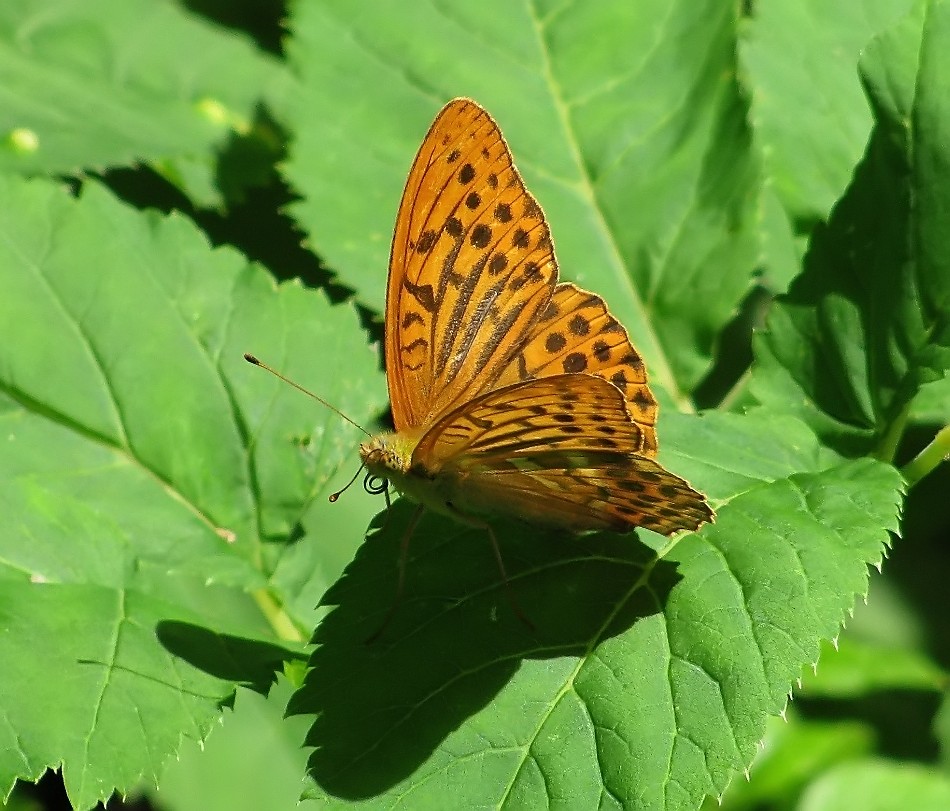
(249, 662)
(454, 644)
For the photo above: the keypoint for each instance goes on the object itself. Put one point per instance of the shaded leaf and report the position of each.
(879, 785)
(256, 736)
(109, 83)
(793, 753)
(868, 321)
(857, 668)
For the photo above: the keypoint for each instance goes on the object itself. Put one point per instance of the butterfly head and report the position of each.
(387, 454)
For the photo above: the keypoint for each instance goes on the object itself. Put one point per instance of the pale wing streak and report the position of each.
(473, 312)
(493, 342)
(471, 333)
(523, 435)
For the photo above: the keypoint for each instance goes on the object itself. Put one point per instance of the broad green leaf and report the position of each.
(879, 785)
(781, 252)
(868, 321)
(167, 534)
(107, 83)
(645, 684)
(932, 405)
(152, 478)
(638, 148)
(809, 113)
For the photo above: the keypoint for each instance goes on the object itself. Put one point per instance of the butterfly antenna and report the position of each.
(342, 490)
(257, 362)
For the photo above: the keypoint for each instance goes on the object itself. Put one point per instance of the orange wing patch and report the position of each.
(472, 267)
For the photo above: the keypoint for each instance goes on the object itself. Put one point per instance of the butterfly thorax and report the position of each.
(389, 456)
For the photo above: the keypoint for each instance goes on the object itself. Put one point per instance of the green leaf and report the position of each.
(646, 683)
(932, 405)
(110, 83)
(255, 735)
(793, 753)
(857, 668)
(638, 149)
(781, 252)
(809, 113)
(152, 479)
(166, 531)
(879, 785)
(868, 321)
(95, 693)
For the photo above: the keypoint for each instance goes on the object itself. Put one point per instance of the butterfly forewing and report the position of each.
(558, 450)
(471, 269)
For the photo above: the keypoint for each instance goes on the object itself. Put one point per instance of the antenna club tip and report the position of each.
(251, 359)
(334, 497)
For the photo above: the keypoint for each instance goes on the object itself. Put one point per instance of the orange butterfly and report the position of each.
(511, 394)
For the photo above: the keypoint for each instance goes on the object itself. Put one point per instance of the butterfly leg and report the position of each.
(509, 590)
(389, 508)
(401, 571)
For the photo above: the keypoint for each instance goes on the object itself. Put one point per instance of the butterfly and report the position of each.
(512, 394)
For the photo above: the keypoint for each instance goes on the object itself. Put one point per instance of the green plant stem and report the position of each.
(887, 448)
(737, 390)
(928, 459)
(282, 624)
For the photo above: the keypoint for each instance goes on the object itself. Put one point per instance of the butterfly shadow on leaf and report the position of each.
(455, 643)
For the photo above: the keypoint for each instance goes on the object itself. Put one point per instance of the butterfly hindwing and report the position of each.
(576, 333)
(622, 492)
(557, 450)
